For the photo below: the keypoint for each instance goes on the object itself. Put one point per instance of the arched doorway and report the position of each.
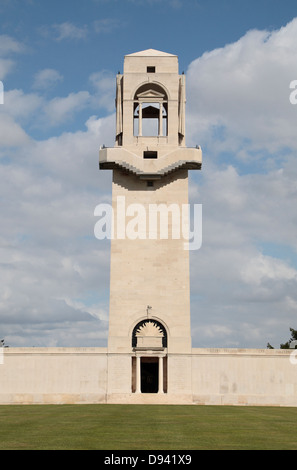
(149, 361)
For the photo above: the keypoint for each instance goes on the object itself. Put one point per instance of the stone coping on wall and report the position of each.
(103, 350)
(241, 351)
(54, 350)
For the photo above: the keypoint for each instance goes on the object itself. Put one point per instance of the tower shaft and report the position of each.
(149, 341)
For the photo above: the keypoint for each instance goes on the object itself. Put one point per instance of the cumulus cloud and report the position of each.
(61, 108)
(46, 78)
(104, 84)
(6, 65)
(8, 47)
(11, 133)
(244, 276)
(246, 269)
(261, 268)
(241, 92)
(18, 104)
(54, 273)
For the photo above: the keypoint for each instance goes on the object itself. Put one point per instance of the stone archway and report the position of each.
(149, 362)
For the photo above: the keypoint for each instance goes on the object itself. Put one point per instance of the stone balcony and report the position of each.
(150, 165)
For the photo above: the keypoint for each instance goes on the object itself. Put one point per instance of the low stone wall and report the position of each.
(244, 377)
(53, 375)
(80, 375)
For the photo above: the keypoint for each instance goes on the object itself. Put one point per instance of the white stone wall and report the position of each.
(53, 375)
(244, 377)
(208, 376)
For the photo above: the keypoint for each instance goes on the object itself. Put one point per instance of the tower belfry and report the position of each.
(149, 344)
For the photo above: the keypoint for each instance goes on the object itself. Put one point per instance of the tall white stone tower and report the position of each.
(149, 344)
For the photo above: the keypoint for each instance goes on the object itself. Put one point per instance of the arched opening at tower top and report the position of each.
(150, 111)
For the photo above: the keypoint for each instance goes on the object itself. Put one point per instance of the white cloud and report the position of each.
(68, 30)
(243, 89)
(94, 310)
(64, 31)
(234, 278)
(8, 46)
(262, 268)
(47, 244)
(104, 84)
(46, 78)
(6, 65)
(11, 133)
(59, 109)
(243, 277)
(21, 105)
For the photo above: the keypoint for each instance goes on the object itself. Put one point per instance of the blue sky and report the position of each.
(58, 62)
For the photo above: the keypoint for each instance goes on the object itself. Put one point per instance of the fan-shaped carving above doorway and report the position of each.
(149, 333)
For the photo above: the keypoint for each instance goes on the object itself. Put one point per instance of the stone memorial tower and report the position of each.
(149, 344)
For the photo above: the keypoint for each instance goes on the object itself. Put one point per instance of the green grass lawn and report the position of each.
(146, 427)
